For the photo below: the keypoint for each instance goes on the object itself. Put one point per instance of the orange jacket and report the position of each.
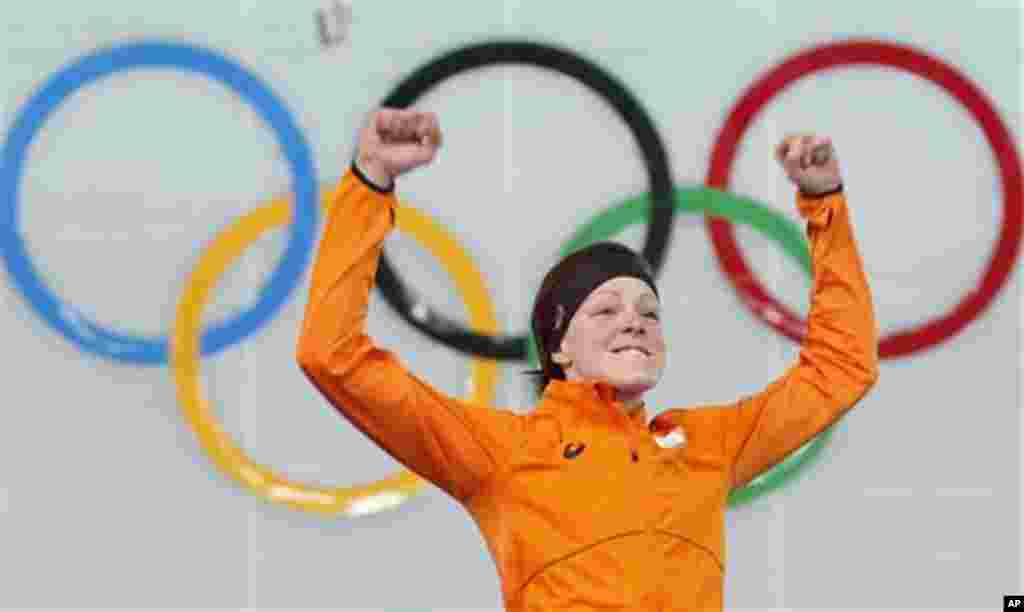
(580, 506)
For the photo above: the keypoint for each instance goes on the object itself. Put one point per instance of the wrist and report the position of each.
(819, 190)
(373, 173)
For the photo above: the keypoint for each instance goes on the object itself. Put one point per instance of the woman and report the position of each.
(583, 504)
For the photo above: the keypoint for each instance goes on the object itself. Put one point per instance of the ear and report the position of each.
(563, 356)
(563, 348)
(561, 359)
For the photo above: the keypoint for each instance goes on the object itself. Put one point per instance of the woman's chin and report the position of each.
(635, 385)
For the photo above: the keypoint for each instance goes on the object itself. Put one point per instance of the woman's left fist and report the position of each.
(810, 162)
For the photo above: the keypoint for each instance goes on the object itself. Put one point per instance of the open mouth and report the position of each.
(627, 350)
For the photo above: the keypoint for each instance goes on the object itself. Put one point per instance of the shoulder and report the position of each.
(517, 426)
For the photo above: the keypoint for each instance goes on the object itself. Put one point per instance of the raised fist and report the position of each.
(396, 141)
(810, 162)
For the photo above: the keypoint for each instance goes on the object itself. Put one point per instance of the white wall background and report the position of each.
(106, 499)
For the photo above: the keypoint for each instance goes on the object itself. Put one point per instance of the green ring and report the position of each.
(736, 209)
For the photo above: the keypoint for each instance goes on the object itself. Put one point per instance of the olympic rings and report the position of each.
(450, 332)
(222, 252)
(766, 221)
(765, 306)
(68, 320)
(482, 340)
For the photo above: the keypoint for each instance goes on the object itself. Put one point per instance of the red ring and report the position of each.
(764, 305)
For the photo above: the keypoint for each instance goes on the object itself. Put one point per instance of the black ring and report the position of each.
(659, 175)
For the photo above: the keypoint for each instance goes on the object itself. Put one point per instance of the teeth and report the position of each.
(634, 350)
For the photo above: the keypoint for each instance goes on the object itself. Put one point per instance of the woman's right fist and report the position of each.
(395, 141)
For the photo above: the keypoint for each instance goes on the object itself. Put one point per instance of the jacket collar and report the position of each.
(593, 399)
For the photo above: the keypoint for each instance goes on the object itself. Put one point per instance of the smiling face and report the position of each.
(615, 336)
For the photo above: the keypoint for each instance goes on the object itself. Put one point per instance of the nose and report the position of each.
(634, 324)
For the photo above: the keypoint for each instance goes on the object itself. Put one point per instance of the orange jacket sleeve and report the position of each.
(455, 445)
(838, 362)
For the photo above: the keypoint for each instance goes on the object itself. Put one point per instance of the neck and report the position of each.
(630, 399)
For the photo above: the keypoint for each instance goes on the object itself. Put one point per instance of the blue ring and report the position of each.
(64, 317)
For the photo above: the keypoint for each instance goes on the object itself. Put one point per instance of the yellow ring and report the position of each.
(185, 359)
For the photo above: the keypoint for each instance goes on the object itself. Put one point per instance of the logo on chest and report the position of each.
(674, 438)
(573, 450)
